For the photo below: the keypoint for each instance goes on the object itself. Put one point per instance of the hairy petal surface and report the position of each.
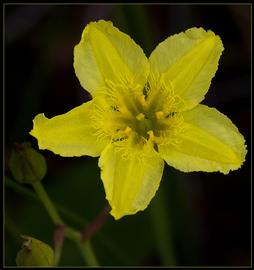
(186, 64)
(210, 142)
(105, 55)
(69, 134)
(130, 183)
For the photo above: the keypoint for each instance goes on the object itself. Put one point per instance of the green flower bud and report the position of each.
(26, 164)
(34, 253)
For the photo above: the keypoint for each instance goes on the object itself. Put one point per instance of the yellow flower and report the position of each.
(144, 111)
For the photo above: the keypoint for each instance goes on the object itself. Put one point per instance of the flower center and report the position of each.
(141, 117)
(143, 125)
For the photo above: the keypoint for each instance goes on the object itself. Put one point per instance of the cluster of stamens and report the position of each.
(146, 125)
(148, 120)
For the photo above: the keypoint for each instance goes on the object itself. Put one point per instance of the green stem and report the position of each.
(59, 234)
(72, 234)
(57, 255)
(42, 194)
(85, 247)
(72, 216)
(95, 225)
(87, 253)
(69, 214)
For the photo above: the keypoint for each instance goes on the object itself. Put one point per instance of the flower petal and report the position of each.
(186, 64)
(130, 183)
(69, 134)
(210, 142)
(107, 54)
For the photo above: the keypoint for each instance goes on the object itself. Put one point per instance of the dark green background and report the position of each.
(195, 218)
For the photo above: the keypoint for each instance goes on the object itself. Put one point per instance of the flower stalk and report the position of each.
(64, 230)
(96, 224)
(42, 194)
(58, 241)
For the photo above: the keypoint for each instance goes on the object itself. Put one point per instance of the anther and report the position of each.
(159, 114)
(151, 135)
(127, 130)
(140, 116)
(142, 100)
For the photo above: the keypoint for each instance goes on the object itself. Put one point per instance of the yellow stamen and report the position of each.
(127, 130)
(142, 100)
(159, 114)
(151, 135)
(140, 116)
